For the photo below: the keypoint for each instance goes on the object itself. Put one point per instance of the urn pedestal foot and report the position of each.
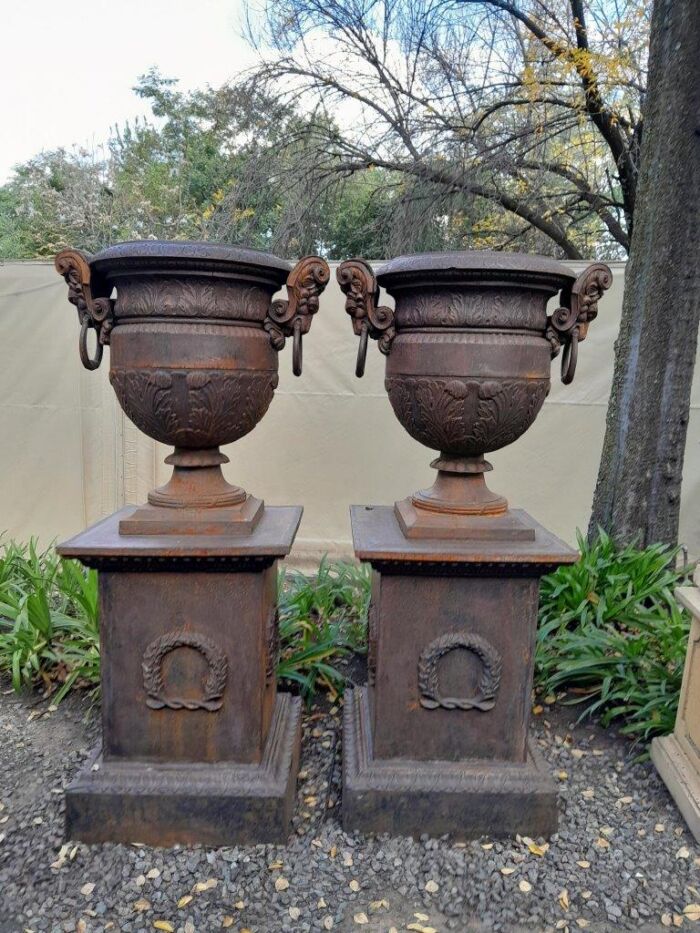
(468, 798)
(438, 741)
(236, 520)
(216, 804)
(417, 522)
(197, 745)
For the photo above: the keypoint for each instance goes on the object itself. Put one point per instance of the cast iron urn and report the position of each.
(468, 350)
(437, 742)
(198, 746)
(194, 335)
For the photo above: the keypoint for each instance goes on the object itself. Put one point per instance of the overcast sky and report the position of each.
(67, 69)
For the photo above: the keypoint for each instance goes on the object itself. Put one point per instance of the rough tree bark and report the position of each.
(639, 481)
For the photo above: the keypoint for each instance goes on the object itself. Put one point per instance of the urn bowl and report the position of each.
(469, 367)
(194, 335)
(469, 345)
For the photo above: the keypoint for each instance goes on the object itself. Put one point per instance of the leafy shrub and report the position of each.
(48, 620)
(611, 632)
(322, 619)
(49, 626)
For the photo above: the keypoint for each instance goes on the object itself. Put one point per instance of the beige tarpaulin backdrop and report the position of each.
(69, 456)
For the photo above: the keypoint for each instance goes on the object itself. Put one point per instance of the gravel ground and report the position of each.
(622, 859)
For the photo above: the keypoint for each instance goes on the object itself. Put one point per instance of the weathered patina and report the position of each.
(438, 740)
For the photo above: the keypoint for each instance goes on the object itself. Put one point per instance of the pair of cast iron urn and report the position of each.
(198, 745)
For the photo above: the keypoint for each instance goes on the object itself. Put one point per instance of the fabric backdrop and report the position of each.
(69, 455)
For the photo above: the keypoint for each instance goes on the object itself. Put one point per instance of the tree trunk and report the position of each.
(639, 481)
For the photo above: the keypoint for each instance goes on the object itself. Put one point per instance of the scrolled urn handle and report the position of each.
(369, 318)
(292, 317)
(568, 325)
(94, 313)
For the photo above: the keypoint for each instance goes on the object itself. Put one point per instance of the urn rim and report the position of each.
(188, 256)
(472, 266)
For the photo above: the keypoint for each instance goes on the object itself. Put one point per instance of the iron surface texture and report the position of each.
(378, 538)
(191, 803)
(102, 546)
(464, 799)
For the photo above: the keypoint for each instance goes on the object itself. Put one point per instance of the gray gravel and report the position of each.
(615, 815)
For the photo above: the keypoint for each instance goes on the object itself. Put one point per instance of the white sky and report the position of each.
(67, 69)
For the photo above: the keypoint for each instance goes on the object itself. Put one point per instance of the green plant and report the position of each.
(48, 620)
(611, 632)
(322, 619)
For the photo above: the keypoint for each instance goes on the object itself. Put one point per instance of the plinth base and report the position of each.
(241, 519)
(209, 804)
(465, 798)
(681, 778)
(417, 522)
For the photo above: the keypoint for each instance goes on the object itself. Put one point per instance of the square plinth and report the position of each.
(162, 804)
(438, 741)
(197, 745)
(467, 799)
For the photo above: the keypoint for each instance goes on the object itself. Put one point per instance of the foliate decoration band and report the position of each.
(194, 408)
(467, 416)
(489, 681)
(154, 682)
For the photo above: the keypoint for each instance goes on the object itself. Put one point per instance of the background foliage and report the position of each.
(372, 128)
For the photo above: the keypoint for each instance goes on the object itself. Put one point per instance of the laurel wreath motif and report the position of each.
(152, 666)
(428, 682)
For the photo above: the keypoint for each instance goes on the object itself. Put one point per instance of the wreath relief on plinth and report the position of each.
(154, 683)
(428, 681)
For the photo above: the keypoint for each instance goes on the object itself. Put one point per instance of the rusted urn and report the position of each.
(193, 335)
(468, 346)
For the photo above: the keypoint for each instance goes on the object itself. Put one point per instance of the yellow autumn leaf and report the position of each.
(281, 884)
(184, 901)
(361, 919)
(564, 899)
(692, 911)
(537, 849)
(164, 925)
(227, 921)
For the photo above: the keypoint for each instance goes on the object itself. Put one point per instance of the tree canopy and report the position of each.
(373, 127)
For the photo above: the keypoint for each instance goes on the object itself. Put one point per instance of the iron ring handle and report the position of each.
(85, 358)
(569, 358)
(297, 348)
(362, 351)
